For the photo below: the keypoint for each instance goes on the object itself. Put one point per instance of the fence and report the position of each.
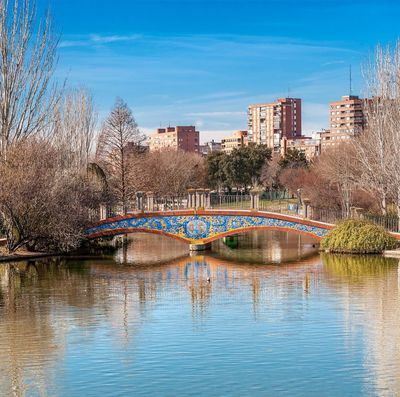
(326, 215)
(272, 201)
(171, 203)
(272, 195)
(280, 206)
(389, 222)
(237, 201)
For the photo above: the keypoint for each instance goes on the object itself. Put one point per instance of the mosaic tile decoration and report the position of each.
(195, 228)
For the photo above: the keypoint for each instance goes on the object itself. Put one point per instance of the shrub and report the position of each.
(358, 237)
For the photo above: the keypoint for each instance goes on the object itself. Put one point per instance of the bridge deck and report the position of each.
(204, 226)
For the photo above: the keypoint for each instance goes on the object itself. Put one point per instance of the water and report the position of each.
(276, 319)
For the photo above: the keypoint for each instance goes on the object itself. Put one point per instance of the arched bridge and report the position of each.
(200, 227)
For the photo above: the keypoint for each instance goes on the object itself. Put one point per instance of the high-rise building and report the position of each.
(235, 141)
(184, 138)
(347, 120)
(268, 123)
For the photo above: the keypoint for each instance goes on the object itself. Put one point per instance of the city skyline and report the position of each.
(202, 63)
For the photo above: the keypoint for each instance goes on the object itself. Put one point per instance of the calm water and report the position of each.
(276, 319)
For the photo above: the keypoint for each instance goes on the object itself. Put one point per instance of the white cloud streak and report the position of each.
(96, 40)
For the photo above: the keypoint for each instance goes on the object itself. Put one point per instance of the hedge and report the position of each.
(358, 237)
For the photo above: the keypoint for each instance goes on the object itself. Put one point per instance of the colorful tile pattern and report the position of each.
(195, 228)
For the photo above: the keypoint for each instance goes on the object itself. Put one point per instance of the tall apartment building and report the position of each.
(184, 138)
(346, 120)
(235, 141)
(268, 123)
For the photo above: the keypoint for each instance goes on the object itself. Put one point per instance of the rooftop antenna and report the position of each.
(350, 82)
(288, 92)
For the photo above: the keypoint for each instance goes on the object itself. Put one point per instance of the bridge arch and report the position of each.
(202, 227)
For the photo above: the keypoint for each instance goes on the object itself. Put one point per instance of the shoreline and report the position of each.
(27, 256)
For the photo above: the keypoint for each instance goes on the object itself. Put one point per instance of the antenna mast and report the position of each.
(350, 81)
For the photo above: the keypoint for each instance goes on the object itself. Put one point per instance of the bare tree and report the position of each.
(119, 138)
(378, 149)
(338, 168)
(27, 62)
(74, 129)
(270, 172)
(42, 205)
(171, 172)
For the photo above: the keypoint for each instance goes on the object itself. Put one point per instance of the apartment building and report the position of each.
(346, 120)
(311, 147)
(210, 147)
(184, 138)
(237, 140)
(268, 123)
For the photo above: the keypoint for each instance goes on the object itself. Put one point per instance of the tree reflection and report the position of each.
(356, 268)
(369, 286)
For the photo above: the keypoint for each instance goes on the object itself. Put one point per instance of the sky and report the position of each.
(202, 62)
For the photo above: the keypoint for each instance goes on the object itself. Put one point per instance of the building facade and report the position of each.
(210, 147)
(346, 120)
(309, 146)
(268, 123)
(235, 141)
(184, 138)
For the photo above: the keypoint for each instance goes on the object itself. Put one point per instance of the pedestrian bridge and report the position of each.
(200, 227)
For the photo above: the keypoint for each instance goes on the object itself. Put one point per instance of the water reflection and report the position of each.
(268, 247)
(371, 305)
(84, 327)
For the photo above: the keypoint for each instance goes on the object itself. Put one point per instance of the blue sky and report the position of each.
(203, 62)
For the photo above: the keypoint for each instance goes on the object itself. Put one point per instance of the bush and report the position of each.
(358, 237)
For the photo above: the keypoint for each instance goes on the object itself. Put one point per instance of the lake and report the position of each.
(270, 318)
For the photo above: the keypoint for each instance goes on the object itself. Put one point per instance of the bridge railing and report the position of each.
(326, 215)
(274, 201)
(281, 206)
(237, 201)
(171, 203)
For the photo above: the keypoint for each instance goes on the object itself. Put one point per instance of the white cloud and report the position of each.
(96, 39)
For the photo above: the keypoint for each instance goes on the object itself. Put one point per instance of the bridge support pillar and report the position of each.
(200, 247)
(200, 198)
(191, 198)
(307, 209)
(207, 198)
(140, 201)
(255, 200)
(103, 212)
(150, 201)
